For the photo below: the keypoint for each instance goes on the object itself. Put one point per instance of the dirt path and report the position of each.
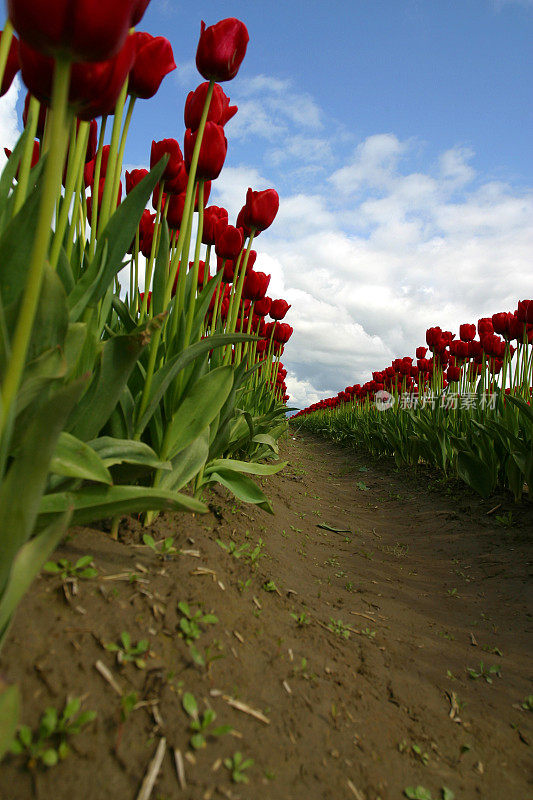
(422, 586)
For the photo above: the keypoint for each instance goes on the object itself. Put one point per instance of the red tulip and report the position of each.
(212, 217)
(260, 209)
(146, 232)
(219, 112)
(228, 243)
(484, 326)
(262, 306)
(221, 49)
(525, 311)
(94, 86)
(433, 336)
(138, 9)
(134, 177)
(279, 309)
(178, 184)
(459, 349)
(12, 65)
(255, 285)
(83, 30)
(212, 151)
(36, 154)
(88, 170)
(159, 149)
(467, 332)
(100, 197)
(153, 60)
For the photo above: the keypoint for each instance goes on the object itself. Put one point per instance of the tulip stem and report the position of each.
(5, 46)
(32, 290)
(25, 161)
(96, 183)
(76, 159)
(122, 147)
(191, 304)
(109, 186)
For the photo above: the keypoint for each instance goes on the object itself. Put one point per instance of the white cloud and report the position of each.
(10, 127)
(366, 275)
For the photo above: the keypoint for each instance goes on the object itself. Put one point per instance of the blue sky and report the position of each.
(398, 135)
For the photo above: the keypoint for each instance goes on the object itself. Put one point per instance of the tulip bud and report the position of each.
(83, 30)
(212, 151)
(279, 309)
(134, 177)
(219, 112)
(221, 49)
(229, 243)
(153, 60)
(260, 209)
(212, 217)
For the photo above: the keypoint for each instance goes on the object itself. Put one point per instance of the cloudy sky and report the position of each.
(398, 135)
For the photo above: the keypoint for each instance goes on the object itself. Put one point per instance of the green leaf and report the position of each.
(447, 794)
(75, 459)
(187, 463)
(220, 730)
(126, 451)
(22, 488)
(201, 404)
(9, 715)
(265, 438)
(190, 705)
(161, 270)
(49, 758)
(116, 362)
(244, 466)
(25, 735)
(417, 793)
(39, 374)
(148, 540)
(16, 245)
(72, 707)
(197, 741)
(473, 471)
(164, 377)
(242, 487)
(97, 502)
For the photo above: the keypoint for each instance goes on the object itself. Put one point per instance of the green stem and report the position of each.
(109, 186)
(5, 45)
(191, 305)
(52, 184)
(96, 182)
(76, 161)
(120, 158)
(25, 162)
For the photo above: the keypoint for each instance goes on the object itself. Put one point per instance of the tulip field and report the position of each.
(179, 560)
(466, 410)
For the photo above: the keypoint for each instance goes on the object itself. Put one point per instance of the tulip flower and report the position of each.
(164, 147)
(229, 243)
(153, 61)
(219, 112)
(138, 9)
(178, 184)
(134, 177)
(260, 209)
(94, 86)
(221, 49)
(525, 311)
(262, 306)
(484, 326)
(255, 285)
(467, 332)
(82, 30)
(421, 352)
(88, 170)
(12, 65)
(36, 154)
(279, 309)
(212, 151)
(212, 217)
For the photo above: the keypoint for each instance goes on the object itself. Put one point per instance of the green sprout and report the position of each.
(201, 725)
(236, 765)
(81, 569)
(127, 652)
(49, 744)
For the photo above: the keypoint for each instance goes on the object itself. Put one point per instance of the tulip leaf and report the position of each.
(164, 377)
(244, 466)
(95, 502)
(266, 438)
(125, 451)
(187, 463)
(75, 459)
(39, 374)
(242, 487)
(27, 564)
(161, 270)
(115, 364)
(16, 245)
(475, 473)
(201, 404)
(9, 716)
(24, 484)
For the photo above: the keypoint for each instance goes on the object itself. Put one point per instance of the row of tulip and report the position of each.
(466, 409)
(116, 394)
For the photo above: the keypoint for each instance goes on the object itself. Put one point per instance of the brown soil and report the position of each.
(427, 583)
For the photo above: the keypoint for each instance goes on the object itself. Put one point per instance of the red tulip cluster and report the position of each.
(455, 364)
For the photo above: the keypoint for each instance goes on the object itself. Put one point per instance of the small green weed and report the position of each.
(201, 725)
(82, 568)
(127, 652)
(237, 764)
